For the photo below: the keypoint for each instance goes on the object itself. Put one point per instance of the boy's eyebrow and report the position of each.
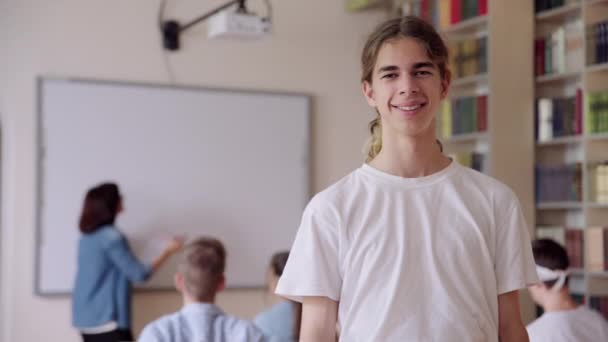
(416, 66)
(388, 68)
(421, 65)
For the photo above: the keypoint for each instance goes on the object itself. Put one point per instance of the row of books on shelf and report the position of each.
(597, 43)
(560, 183)
(545, 5)
(464, 115)
(468, 57)
(445, 13)
(600, 184)
(560, 51)
(597, 111)
(474, 160)
(557, 117)
(571, 238)
(587, 248)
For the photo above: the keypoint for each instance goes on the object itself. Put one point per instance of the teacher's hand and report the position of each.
(175, 245)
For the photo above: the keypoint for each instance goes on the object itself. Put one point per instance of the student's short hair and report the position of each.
(551, 255)
(202, 265)
(100, 207)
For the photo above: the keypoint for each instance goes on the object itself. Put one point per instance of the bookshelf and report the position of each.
(572, 138)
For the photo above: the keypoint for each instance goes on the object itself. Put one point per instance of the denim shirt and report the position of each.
(106, 268)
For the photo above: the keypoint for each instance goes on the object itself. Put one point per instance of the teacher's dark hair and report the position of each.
(101, 205)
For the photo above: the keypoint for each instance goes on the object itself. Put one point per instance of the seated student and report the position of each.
(199, 276)
(563, 319)
(280, 323)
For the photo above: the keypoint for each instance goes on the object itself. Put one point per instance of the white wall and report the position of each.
(314, 50)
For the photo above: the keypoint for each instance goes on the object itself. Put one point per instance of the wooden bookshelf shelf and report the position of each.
(597, 137)
(559, 205)
(557, 77)
(465, 138)
(561, 40)
(596, 2)
(597, 68)
(470, 80)
(598, 274)
(577, 271)
(572, 139)
(361, 5)
(468, 26)
(558, 13)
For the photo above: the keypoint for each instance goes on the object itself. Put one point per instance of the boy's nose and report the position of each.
(409, 86)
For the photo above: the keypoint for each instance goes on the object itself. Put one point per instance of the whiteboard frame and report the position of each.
(40, 154)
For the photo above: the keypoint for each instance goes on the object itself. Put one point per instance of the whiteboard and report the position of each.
(228, 164)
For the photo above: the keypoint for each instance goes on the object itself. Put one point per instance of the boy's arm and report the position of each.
(319, 318)
(510, 326)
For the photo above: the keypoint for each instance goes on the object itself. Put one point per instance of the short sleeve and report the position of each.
(514, 262)
(149, 334)
(313, 265)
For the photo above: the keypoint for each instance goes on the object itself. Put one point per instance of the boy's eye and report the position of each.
(389, 76)
(422, 73)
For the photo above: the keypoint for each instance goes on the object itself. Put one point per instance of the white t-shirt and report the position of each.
(412, 259)
(578, 325)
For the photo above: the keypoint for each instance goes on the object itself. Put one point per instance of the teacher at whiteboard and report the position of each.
(101, 300)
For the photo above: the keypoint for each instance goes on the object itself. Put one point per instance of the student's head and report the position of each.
(200, 272)
(551, 264)
(405, 76)
(275, 270)
(101, 205)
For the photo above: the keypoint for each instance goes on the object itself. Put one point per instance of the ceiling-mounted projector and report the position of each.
(231, 24)
(239, 23)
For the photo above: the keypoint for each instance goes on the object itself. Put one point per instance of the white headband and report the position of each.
(545, 274)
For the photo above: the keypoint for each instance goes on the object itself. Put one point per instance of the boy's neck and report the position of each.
(189, 300)
(410, 157)
(560, 301)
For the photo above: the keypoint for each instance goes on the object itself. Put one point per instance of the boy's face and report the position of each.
(406, 88)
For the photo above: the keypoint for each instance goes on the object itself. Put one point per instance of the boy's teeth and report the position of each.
(409, 108)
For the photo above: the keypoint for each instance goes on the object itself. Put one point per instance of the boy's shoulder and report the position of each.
(159, 329)
(489, 187)
(174, 326)
(338, 190)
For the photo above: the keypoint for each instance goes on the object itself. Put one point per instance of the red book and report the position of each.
(455, 11)
(482, 7)
(424, 10)
(539, 61)
(578, 112)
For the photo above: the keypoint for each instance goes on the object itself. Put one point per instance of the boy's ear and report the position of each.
(445, 86)
(221, 284)
(178, 281)
(368, 92)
